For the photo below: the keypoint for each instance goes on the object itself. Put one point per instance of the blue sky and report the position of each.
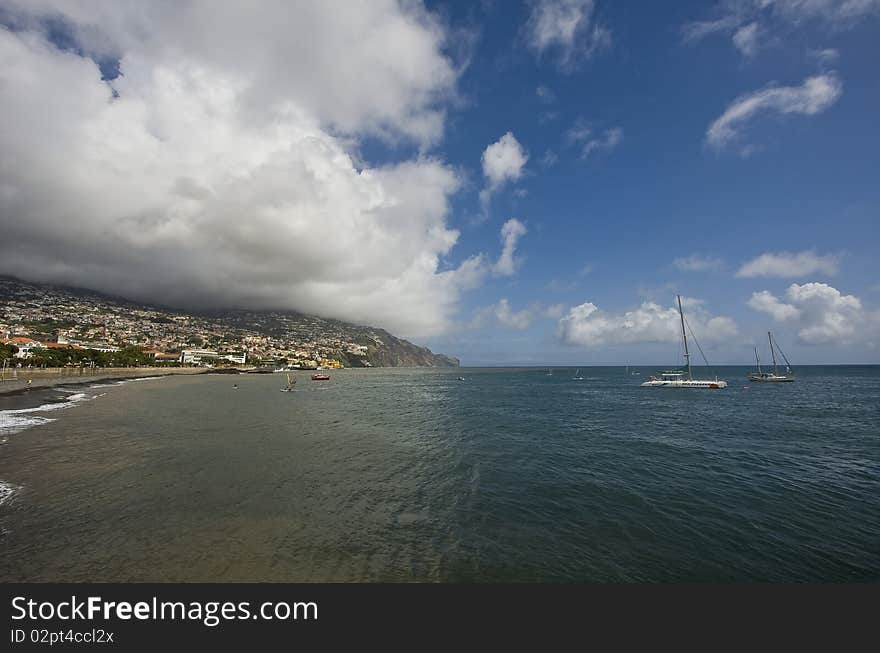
(509, 183)
(662, 193)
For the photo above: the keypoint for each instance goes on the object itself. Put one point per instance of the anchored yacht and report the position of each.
(774, 376)
(683, 378)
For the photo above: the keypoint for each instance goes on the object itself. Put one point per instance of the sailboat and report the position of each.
(290, 383)
(549, 372)
(577, 376)
(683, 378)
(775, 376)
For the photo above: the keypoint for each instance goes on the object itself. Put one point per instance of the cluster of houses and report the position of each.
(29, 347)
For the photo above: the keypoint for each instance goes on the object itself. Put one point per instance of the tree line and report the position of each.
(129, 356)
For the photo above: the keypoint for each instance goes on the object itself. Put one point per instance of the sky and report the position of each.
(509, 183)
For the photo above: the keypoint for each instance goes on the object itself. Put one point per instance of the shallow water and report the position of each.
(403, 474)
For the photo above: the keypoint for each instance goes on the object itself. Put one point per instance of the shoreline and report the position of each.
(41, 380)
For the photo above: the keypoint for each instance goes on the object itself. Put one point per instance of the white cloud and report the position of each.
(821, 314)
(393, 81)
(839, 12)
(504, 315)
(579, 132)
(814, 96)
(610, 139)
(746, 19)
(582, 134)
(511, 232)
(825, 56)
(545, 94)
(548, 116)
(700, 29)
(766, 302)
(549, 159)
(698, 263)
(789, 265)
(588, 326)
(223, 173)
(746, 39)
(566, 26)
(511, 319)
(503, 161)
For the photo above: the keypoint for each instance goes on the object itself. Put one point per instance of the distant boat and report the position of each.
(549, 372)
(772, 377)
(461, 378)
(320, 377)
(577, 376)
(682, 378)
(291, 381)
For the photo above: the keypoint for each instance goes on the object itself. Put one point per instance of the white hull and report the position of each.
(684, 383)
(770, 378)
(681, 378)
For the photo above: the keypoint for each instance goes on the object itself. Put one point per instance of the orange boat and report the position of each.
(320, 377)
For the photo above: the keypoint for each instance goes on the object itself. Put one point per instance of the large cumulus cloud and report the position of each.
(587, 325)
(220, 168)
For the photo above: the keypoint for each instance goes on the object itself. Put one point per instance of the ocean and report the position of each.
(402, 475)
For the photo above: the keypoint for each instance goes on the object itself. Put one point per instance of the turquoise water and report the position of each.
(413, 475)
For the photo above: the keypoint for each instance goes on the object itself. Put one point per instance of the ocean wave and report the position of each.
(6, 491)
(19, 419)
(10, 424)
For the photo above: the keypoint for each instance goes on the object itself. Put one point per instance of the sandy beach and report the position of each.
(15, 380)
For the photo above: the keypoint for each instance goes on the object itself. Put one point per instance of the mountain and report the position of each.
(46, 312)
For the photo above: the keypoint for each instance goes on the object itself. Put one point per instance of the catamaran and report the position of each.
(683, 378)
(774, 376)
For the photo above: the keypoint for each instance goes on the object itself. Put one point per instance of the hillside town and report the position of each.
(43, 325)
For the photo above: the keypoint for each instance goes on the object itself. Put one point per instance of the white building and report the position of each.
(195, 356)
(26, 346)
(98, 346)
(238, 359)
(27, 350)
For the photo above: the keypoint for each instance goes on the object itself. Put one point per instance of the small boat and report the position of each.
(774, 376)
(461, 378)
(290, 383)
(577, 376)
(320, 377)
(549, 372)
(683, 378)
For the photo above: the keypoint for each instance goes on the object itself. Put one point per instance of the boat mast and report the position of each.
(772, 353)
(757, 360)
(785, 358)
(687, 355)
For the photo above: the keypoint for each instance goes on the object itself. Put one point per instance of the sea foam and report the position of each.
(6, 491)
(19, 419)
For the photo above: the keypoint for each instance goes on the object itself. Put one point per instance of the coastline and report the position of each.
(42, 379)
